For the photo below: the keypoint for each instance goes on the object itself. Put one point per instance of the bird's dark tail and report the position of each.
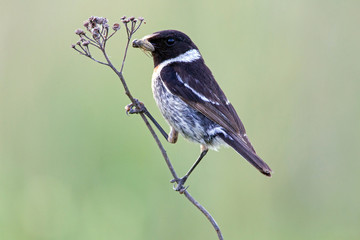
(249, 154)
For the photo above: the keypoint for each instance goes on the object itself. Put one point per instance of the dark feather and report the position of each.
(249, 155)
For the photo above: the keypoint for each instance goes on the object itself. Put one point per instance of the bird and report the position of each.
(191, 101)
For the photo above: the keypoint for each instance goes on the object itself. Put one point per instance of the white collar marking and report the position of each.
(189, 56)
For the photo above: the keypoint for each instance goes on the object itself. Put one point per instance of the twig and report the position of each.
(205, 212)
(93, 25)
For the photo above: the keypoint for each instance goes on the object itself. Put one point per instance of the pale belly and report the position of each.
(190, 123)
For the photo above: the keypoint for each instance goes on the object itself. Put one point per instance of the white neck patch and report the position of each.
(189, 56)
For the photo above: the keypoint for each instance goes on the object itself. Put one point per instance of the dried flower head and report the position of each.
(86, 24)
(93, 21)
(79, 32)
(116, 27)
(95, 30)
(98, 20)
(92, 18)
(96, 33)
(96, 36)
(126, 20)
(123, 17)
(99, 31)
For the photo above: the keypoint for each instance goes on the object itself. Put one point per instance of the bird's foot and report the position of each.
(134, 108)
(179, 184)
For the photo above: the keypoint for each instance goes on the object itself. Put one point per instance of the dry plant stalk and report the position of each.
(97, 35)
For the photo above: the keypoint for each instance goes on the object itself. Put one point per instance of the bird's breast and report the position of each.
(190, 123)
(170, 105)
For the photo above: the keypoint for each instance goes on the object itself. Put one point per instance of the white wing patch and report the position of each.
(202, 97)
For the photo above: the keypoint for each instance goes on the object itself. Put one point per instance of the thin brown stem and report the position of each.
(205, 212)
(125, 54)
(84, 50)
(91, 40)
(111, 35)
(88, 50)
(138, 26)
(163, 152)
(95, 45)
(79, 51)
(97, 61)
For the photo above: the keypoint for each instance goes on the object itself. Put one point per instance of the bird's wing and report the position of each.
(198, 88)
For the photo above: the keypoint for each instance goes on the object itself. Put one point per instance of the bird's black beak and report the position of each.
(143, 44)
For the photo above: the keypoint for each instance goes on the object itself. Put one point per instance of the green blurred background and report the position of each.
(74, 166)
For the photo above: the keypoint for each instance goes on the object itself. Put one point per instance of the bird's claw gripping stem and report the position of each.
(134, 108)
(180, 184)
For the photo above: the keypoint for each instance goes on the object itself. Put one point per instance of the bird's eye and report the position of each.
(170, 41)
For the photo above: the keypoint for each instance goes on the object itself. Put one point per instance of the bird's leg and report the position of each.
(180, 182)
(173, 136)
(139, 107)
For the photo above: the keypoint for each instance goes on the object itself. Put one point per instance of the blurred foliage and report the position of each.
(74, 166)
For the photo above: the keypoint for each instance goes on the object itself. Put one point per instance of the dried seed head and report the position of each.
(95, 30)
(116, 27)
(141, 19)
(126, 20)
(98, 20)
(93, 21)
(123, 17)
(79, 32)
(131, 18)
(86, 43)
(106, 26)
(73, 45)
(92, 18)
(86, 24)
(96, 33)
(96, 36)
